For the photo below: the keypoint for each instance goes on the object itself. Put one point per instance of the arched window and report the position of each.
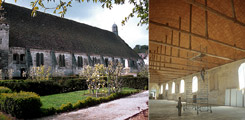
(161, 89)
(173, 87)
(194, 84)
(182, 86)
(241, 76)
(166, 87)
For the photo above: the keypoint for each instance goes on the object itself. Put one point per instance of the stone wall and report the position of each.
(69, 69)
(217, 80)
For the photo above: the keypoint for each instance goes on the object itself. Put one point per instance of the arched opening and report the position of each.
(241, 76)
(173, 87)
(194, 84)
(161, 92)
(182, 86)
(166, 88)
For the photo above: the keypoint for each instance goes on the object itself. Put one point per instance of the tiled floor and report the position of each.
(166, 110)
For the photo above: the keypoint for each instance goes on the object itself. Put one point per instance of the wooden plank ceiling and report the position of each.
(186, 36)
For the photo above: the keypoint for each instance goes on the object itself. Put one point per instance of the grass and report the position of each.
(5, 117)
(56, 100)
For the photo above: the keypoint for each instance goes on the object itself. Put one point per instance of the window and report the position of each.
(116, 62)
(194, 84)
(173, 87)
(94, 61)
(98, 61)
(182, 86)
(241, 76)
(85, 61)
(22, 58)
(80, 61)
(161, 89)
(16, 58)
(39, 59)
(166, 87)
(126, 63)
(106, 62)
(62, 61)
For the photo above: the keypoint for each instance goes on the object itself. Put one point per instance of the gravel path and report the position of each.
(119, 109)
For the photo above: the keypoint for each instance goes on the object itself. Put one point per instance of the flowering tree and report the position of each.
(114, 82)
(95, 77)
(40, 73)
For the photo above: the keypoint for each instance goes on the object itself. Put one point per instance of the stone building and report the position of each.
(59, 43)
(197, 52)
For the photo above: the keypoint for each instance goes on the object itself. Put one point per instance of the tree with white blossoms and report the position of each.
(87, 72)
(114, 82)
(95, 77)
(98, 77)
(40, 73)
(10, 73)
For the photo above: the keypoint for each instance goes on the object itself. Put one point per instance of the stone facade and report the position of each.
(15, 58)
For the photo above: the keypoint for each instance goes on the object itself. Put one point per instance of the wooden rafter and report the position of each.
(176, 64)
(196, 35)
(172, 68)
(211, 10)
(194, 51)
(183, 58)
(172, 72)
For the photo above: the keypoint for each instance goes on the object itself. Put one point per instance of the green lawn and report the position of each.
(56, 100)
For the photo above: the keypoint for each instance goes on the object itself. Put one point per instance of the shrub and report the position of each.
(21, 105)
(66, 107)
(135, 82)
(46, 87)
(5, 90)
(47, 111)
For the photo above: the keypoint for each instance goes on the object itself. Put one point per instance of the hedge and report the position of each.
(5, 90)
(67, 84)
(20, 105)
(135, 82)
(45, 87)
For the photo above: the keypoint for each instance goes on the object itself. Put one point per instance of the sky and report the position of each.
(93, 14)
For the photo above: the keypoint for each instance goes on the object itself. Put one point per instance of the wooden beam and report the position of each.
(194, 51)
(211, 10)
(172, 68)
(179, 35)
(190, 26)
(165, 77)
(168, 75)
(175, 64)
(171, 49)
(169, 71)
(196, 35)
(206, 20)
(183, 58)
(233, 10)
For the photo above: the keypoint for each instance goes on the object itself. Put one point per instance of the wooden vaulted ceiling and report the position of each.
(186, 36)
